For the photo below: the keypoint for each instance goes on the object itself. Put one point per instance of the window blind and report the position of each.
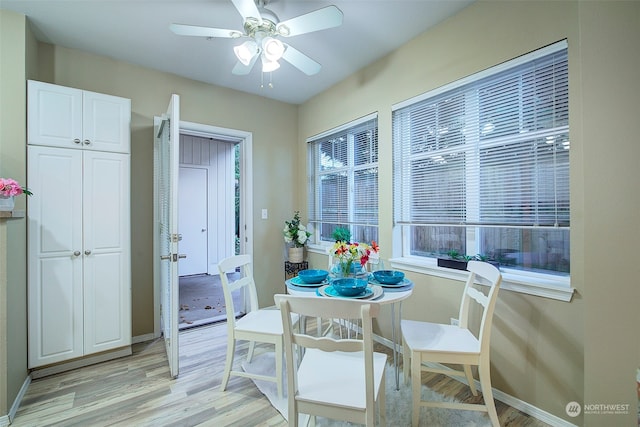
(343, 179)
(491, 150)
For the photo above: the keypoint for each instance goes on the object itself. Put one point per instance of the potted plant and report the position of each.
(341, 234)
(454, 260)
(8, 189)
(296, 235)
(457, 261)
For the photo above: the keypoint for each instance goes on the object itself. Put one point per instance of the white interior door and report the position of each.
(192, 220)
(166, 205)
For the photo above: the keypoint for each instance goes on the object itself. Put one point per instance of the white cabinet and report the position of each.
(79, 256)
(65, 117)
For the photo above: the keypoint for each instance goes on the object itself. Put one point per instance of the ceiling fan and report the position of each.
(263, 29)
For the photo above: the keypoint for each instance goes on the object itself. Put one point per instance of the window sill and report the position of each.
(558, 288)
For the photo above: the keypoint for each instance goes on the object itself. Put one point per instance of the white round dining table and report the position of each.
(392, 295)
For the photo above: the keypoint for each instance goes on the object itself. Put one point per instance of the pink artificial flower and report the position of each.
(10, 187)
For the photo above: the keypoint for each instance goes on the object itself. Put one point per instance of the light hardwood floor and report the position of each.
(137, 391)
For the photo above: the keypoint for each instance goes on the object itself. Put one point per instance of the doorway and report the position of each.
(209, 218)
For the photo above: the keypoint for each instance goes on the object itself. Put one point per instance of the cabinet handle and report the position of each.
(86, 142)
(87, 252)
(76, 253)
(77, 141)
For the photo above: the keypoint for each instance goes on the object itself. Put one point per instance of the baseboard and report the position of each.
(143, 338)
(516, 403)
(6, 420)
(79, 363)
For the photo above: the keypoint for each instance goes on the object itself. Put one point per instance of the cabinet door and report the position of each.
(55, 260)
(65, 117)
(106, 122)
(107, 269)
(54, 115)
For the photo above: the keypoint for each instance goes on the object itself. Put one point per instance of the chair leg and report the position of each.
(382, 403)
(252, 346)
(487, 394)
(416, 380)
(231, 351)
(472, 383)
(406, 362)
(279, 376)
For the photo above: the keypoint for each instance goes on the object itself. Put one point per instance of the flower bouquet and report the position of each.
(8, 189)
(352, 257)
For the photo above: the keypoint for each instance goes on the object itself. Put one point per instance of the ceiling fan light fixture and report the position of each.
(269, 66)
(246, 51)
(283, 30)
(272, 48)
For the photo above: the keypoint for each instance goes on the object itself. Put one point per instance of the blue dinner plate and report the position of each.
(299, 282)
(403, 283)
(331, 292)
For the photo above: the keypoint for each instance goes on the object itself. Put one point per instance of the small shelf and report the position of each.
(18, 213)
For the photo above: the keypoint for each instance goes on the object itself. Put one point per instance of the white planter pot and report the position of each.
(6, 203)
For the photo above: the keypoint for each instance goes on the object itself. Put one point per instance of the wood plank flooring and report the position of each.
(137, 391)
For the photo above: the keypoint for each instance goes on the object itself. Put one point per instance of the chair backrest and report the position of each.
(485, 274)
(228, 269)
(328, 308)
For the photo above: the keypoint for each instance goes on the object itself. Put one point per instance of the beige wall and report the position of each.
(544, 352)
(610, 60)
(13, 319)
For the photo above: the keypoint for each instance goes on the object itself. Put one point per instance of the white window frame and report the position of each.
(540, 284)
(315, 244)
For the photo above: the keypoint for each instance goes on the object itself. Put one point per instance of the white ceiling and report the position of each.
(138, 32)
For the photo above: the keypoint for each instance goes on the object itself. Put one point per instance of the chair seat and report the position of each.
(320, 371)
(264, 321)
(436, 338)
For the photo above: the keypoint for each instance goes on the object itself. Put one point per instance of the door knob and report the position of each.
(165, 257)
(76, 253)
(182, 256)
(87, 252)
(203, 230)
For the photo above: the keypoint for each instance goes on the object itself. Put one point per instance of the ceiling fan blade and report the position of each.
(247, 9)
(242, 70)
(192, 30)
(301, 61)
(321, 19)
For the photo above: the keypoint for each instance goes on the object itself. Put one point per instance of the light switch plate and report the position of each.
(265, 214)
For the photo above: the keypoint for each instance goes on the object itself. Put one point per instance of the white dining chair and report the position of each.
(334, 377)
(425, 344)
(257, 325)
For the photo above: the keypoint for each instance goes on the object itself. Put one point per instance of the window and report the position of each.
(343, 181)
(481, 166)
